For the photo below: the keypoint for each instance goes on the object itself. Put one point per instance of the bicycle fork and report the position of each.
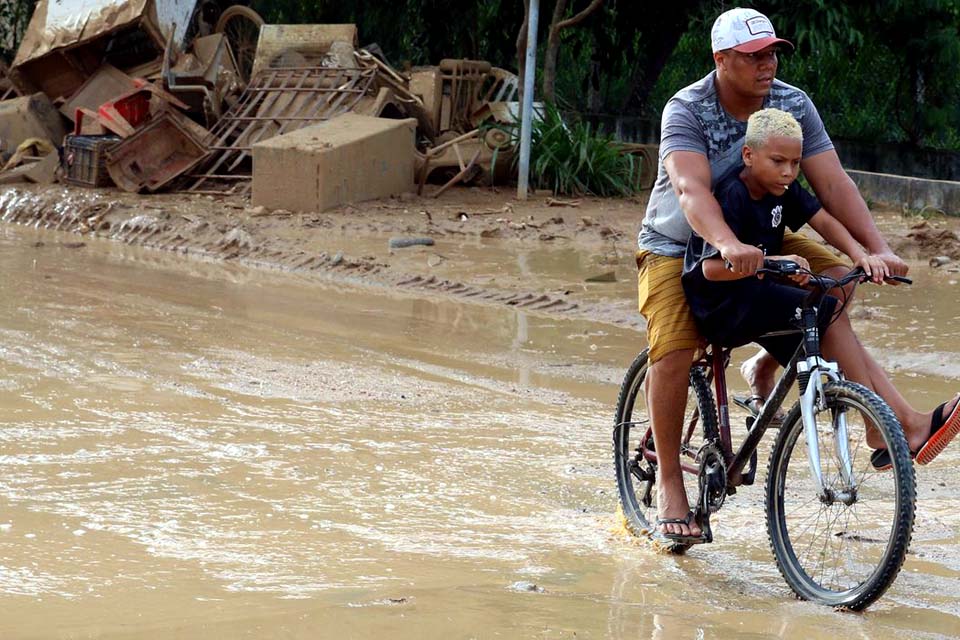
(813, 372)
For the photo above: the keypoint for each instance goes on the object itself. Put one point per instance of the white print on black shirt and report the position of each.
(777, 213)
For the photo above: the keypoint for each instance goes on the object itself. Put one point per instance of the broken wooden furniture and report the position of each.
(29, 117)
(155, 155)
(204, 77)
(463, 81)
(67, 41)
(466, 158)
(7, 90)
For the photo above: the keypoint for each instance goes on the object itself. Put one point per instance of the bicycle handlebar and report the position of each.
(790, 268)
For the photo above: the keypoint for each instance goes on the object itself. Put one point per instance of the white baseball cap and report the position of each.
(744, 30)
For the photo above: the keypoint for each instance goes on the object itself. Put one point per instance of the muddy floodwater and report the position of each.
(200, 450)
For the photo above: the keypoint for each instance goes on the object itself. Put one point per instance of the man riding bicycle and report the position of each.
(702, 133)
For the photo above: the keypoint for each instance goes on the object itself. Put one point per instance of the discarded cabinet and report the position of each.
(155, 155)
(350, 158)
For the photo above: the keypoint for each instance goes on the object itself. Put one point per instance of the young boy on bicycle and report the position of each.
(759, 200)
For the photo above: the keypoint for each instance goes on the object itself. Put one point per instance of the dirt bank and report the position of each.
(570, 258)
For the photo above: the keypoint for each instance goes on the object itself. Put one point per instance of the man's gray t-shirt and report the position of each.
(693, 120)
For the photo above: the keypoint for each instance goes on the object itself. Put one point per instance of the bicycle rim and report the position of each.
(841, 555)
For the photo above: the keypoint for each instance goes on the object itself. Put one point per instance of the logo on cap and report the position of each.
(759, 25)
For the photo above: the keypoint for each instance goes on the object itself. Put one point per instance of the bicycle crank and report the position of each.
(712, 476)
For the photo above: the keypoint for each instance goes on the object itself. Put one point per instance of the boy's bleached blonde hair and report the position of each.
(766, 123)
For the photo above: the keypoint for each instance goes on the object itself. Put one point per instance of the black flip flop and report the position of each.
(880, 459)
(748, 404)
(677, 538)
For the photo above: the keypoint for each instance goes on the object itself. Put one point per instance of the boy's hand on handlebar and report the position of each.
(875, 267)
(742, 258)
(800, 278)
(895, 265)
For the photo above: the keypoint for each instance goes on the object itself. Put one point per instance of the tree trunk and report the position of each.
(671, 25)
(558, 24)
(522, 49)
(553, 50)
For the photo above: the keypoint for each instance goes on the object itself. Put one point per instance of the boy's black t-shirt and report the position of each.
(720, 308)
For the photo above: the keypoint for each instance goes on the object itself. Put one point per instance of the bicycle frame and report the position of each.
(716, 361)
(814, 369)
(736, 460)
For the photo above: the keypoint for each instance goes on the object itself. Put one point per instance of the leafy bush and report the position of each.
(573, 159)
(14, 17)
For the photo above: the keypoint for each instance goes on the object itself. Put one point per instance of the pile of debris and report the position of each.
(147, 95)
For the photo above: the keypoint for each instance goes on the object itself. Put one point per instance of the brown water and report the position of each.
(194, 450)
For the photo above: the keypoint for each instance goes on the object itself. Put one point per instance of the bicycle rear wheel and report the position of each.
(841, 555)
(636, 475)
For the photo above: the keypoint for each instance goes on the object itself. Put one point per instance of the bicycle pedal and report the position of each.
(751, 473)
(647, 498)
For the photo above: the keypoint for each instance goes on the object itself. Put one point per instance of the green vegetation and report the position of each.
(883, 71)
(570, 158)
(14, 17)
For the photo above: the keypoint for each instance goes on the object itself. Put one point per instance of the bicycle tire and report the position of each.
(630, 427)
(866, 547)
(241, 26)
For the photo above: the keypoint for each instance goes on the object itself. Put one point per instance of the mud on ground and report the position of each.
(547, 255)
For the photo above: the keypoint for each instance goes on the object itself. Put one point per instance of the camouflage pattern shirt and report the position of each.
(693, 120)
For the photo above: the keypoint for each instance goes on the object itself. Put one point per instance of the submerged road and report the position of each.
(196, 450)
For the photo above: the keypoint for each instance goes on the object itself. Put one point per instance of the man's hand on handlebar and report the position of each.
(743, 259)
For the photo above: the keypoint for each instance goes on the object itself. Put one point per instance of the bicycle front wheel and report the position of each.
(846, 552)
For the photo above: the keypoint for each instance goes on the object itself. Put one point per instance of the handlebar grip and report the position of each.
(784, 267)
(901, 279)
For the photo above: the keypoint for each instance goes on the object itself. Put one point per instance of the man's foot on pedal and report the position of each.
(673, 508)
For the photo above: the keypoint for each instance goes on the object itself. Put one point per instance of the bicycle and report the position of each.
(808, 488)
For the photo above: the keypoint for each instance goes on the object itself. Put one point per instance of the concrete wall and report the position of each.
(913, 193)
(883, 157)
(887, 188)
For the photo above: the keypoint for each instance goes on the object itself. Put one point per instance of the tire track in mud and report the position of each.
(197, 237)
